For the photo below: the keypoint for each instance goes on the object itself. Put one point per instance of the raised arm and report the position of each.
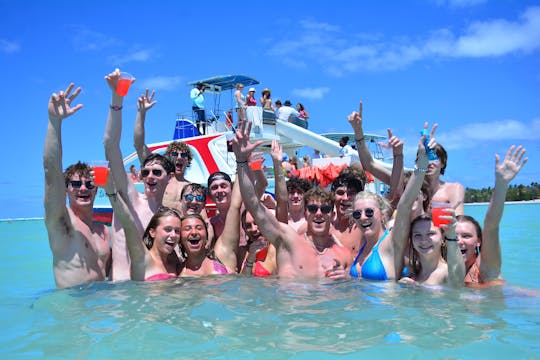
(226, 246)
(59, 108)
(280, 185)
(490, 255)
(396, 178)
(454, 258)
(113, 131)
(268, 224)
(368, 163)
(402, 224)
(144, 103)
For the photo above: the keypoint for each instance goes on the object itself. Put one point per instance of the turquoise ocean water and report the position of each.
(231, 317)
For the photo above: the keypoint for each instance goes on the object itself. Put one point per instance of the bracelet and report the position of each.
(249, 264)
(359, 140)
(113, 195)
(241, 162)
(420, 170)
(116, 107)
(447, 239)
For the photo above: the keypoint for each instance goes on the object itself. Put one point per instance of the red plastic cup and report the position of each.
(124, 82)
(101, 171)
(256, 165)
(437, 210)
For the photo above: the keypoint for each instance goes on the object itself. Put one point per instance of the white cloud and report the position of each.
(511, 130)
(85, 39)
(339, 52)
(9, 47)
(134, 56)
(460, 3)
(161, 83)
(311, 93)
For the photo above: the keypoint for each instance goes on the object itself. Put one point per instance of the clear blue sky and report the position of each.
(472, 66)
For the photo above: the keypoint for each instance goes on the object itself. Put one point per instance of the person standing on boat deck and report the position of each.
(250, 98)
(314, 254)
(286, 111)
(156, 171)
(81, 248)
(266, 100)
(302, 111)
(346, 149)
(240, 100)
(197, 97)
(177, 151)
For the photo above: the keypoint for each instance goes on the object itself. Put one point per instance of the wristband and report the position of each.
(359, 140)
(113, 195)
(116, 107)
(447, 239)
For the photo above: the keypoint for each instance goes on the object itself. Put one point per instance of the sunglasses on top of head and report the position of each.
(183, 155)
(78, 183)
(191, 197)
(325, 209)
(357, 214)
(156, 172)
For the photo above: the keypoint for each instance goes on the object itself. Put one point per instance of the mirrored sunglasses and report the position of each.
(357, 214)
(325, 209)
(190, 197)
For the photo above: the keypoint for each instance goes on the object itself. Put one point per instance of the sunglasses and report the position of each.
(325, 209)
(78, 183)
(190, 197)
(357, 214)
(156, 172)
(183, 155)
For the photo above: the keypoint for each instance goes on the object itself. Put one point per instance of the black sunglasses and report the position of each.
(357, 214)
(184, 155)
(190, 197)
(325, 209)
(156, 172)
(78, 183)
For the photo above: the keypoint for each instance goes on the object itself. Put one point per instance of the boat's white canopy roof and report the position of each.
(221, 83)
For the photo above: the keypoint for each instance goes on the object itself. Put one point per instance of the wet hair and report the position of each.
(194, 187)
(192, 216)
(218, 175)
(318, 194)
(442, 155)
(180, 147)
(296, 183)
(349, 181)
(160, 159)
(477, 227)
(414, 263)
(163, 211)
(80, 168)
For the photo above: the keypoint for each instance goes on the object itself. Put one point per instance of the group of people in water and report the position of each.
(304, 232)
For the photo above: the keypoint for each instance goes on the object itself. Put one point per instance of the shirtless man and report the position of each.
(314, 254)
(177, 151)
(80, 247)
(440, 191)
(345, 187)
(289, 194)
(155, 174)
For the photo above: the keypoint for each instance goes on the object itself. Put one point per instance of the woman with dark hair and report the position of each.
(302, 111)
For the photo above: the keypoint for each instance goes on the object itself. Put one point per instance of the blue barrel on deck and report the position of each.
(184, 129)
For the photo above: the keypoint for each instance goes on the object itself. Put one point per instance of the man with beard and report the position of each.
(80, 247)
(177, 151)
(155, 174)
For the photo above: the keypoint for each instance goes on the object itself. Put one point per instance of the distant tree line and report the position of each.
(515, 193)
